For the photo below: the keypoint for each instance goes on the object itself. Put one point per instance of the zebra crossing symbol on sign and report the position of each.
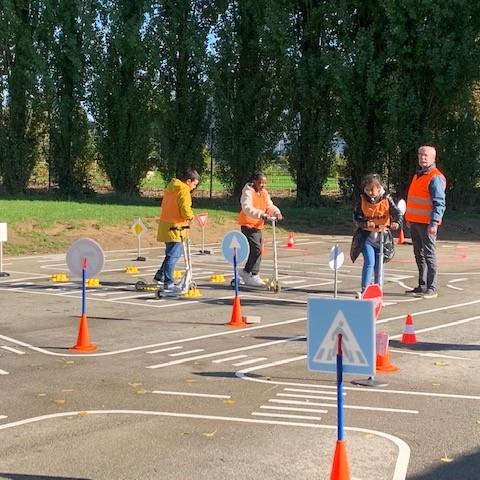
(354, 320)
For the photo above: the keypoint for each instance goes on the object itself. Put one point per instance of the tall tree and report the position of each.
(67, 31)
(245, 91)
(311, 113)
(121, 93)
(19, 26)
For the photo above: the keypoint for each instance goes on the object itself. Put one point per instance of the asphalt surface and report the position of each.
(172, 392)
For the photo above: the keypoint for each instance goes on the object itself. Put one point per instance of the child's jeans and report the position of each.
(370, 264)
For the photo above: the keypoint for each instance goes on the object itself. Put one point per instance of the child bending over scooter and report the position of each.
(257, 206)
(375, 215)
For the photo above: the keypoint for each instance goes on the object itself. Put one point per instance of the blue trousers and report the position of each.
(371, 264)
(173, 251)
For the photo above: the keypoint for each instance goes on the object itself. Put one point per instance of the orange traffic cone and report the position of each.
(340, 468)
(291, 241)
(83, 339)
(236, 320)
(401, 237)
(409, 336)
(384, 365)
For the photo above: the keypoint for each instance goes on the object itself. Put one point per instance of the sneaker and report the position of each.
(256, 281)
(158, 278)
(417, 290)
(430, 293)
(244, 276)
(172, 288)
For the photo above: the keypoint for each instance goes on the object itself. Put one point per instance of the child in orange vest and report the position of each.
(375, 214)
(257, 206)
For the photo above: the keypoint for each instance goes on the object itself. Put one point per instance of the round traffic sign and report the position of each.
(235, 242)
(402, 206)
(335, 252)
(85, 248)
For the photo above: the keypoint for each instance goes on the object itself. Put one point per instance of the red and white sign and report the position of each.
(202, 219)
(374, 292)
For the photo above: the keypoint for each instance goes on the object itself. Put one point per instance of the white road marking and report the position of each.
(3, 416)
(306, 390)
(433, 355)
(14, 350)
(455, 280)
(190, 394)
(294, 409)
(284, 415)
(454, 288)
(445, 325)
(401, 464)
(249, 362)
(235, 357)
(291, 282)
(297, 395)
(164, 350)
(233, 350)
(349, 407)
(243, 374)
(187, 352)
(3, 372)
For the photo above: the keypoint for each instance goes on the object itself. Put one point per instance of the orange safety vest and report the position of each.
(259, 202)
(379, 213)
(170, 210)
(419, 200)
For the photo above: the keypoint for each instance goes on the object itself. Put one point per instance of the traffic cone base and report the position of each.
(83, 339)
(401, 237)
(291, 241)
(340, 468)
(409, 337)
(383, 364)
(236, 320)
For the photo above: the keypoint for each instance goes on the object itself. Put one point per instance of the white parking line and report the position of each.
(190, 394)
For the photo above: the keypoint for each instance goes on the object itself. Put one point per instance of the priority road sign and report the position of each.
(326, 319)
(235, 243)
(138, 227)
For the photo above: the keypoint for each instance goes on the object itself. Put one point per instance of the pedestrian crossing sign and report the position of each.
(354, 319)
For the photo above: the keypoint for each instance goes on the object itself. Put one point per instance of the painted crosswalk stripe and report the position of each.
(294, 409)
(14, 350)
(307, 390)
(285, 415)
(187, 352)
(190, 394)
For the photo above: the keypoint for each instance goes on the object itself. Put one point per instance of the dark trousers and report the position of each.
(425, 255)
(254, 237)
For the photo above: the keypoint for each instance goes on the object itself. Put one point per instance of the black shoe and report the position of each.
(158, 277)
(416, 290)
(430, 293)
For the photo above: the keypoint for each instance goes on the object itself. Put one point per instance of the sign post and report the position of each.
(202, 221)
(139, 228)
(3, 238)
(335, 262)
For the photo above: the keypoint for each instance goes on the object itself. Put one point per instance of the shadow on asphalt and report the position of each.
(433, 347)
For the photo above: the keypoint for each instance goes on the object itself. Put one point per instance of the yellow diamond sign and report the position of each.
(139, 227)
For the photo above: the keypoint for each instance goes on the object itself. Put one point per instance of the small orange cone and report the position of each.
(384, 365)
(340, 468)
(236, 320)
(409, 336)
(401, 237)
(83, 339)
(291, 241)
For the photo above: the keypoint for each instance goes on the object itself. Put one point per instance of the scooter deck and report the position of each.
(270, 286)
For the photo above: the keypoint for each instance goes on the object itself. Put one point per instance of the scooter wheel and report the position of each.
(140, 286)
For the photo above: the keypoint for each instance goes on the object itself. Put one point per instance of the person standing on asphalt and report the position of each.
(425, 209)
(174, 223)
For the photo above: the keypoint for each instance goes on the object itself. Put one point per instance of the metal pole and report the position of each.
(275, 259)
(340, 435)
(235, 275)
(84, 289)
(335, 255)
(138, 246)
(203, 238)
(1, 257)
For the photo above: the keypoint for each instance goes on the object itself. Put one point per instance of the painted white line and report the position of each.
(187, 352)
(23, 284)
(164, 350)
(243, 374)
(233, 350)
(291, 282)
(3, 372)
(445, 325)
(285, 415)
(454, 288)
(235, 357)
(14, 350)
(455, 280)
(306, 390)
(144, 347)
(190, 394)
(431, 355)
(3, 416)
(401, 464)
(349, 407)
(294, 409)
(249, 362)
(297, 395)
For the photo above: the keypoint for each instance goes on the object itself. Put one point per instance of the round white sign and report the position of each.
(336, 252)
(402, 206)
(85, 248)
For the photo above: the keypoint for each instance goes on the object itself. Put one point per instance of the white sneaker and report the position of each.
(244, 276)
(256, 281)
(173, 289)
